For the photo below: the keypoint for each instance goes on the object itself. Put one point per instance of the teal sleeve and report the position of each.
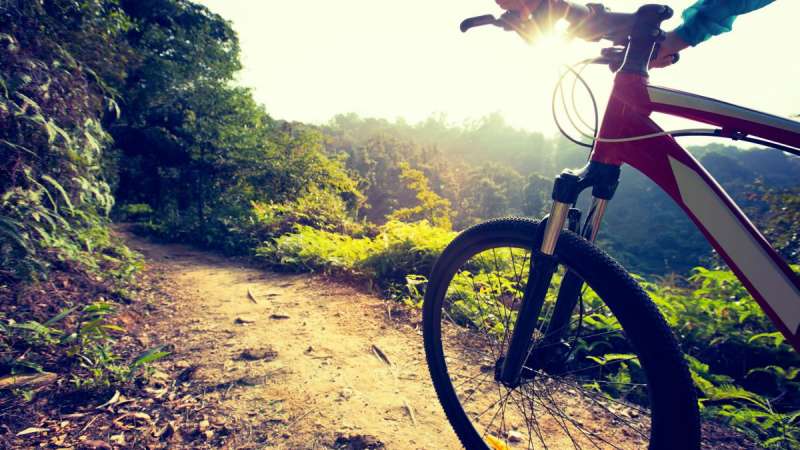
(708, 18)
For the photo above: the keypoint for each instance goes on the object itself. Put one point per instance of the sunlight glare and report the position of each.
(560, 27)
(557, 48)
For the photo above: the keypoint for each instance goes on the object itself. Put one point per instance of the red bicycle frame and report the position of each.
(628, 135)
(767, 277)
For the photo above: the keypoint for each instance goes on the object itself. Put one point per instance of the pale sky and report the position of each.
(312, 59)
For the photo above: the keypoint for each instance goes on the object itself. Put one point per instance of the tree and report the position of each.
(537, 195)
(779, 218)
(431, 207)
(198, 150)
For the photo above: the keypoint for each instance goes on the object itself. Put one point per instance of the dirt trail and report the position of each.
(301, 365)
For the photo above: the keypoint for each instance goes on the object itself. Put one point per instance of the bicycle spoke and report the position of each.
(583, 369)
(594, 397)
(547, 410)
(530, 422)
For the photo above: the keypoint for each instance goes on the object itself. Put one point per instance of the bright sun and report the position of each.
(556, 47)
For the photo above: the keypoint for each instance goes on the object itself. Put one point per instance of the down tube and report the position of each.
(767, 277)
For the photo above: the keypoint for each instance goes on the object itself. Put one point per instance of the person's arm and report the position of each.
(708, 18)
(704, 19)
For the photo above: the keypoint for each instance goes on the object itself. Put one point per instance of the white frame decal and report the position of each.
(680, 99)
(748, 255)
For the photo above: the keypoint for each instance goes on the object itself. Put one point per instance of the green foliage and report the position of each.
(134, 212)
(755, 416)
(402, 249)
(537, 195)
(62, 67)
(54, 199)
(430, 207)
(412, 294)
(778, 209)
(81, 339)
(318, 208)
(398, 250)
(308, 249)
(746, 373)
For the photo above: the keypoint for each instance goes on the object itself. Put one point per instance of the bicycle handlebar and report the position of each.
(590, 22)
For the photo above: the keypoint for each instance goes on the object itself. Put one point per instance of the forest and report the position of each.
(127, 111)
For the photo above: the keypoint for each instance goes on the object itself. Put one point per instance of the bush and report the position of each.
(134, 212)
(402, 249)
(745, 372)
(318, 208)
(79, 341)
(399, 249)
(309, 249)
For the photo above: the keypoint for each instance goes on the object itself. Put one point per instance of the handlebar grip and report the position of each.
(478, 21)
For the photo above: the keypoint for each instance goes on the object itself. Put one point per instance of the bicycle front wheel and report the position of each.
(614, 378)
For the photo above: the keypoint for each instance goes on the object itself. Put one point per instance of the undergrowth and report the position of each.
(62, 271)
(745, 374)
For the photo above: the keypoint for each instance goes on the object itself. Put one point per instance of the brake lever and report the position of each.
(509, 21)
(478, 21)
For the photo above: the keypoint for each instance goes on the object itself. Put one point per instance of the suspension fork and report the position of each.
(603, 178)
(572, 284)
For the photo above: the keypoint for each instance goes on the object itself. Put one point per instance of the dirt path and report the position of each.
(297, 368)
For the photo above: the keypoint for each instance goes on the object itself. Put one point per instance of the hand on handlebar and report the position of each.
(669, 51)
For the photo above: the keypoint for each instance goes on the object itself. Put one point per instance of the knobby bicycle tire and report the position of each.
(674, 416)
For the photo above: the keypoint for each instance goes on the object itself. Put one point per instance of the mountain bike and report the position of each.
(534, 337)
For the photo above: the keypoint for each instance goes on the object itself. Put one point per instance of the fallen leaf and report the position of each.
(166, 431)
(381, 355)
(410, 412)
(31, 430)
(496, 444)
(58, 440)
(118, 439)
(203, 425)
(27, 381)
(514, 436)
(114, 399)
(251, 296)
(156, 393)
(135, 415)
(160, 375)
(218, 420)
(186, 374)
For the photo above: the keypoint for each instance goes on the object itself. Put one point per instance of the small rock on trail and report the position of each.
(261, 354)
(358, 442)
